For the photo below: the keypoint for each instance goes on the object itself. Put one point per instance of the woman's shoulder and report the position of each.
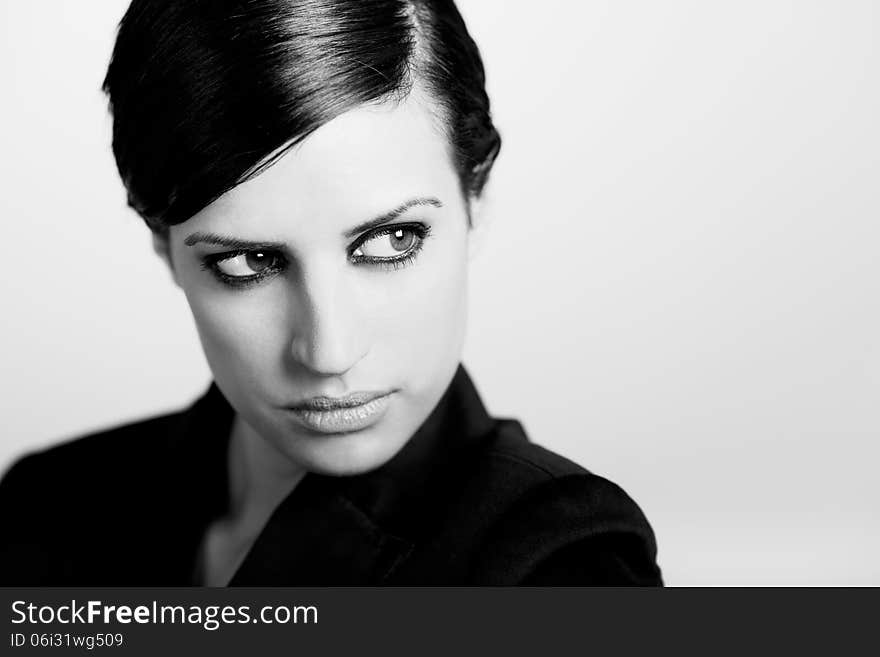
(128, 448)
(76, 509)
(56, 480)
(130, 441)
(510, 460)
(556, 522)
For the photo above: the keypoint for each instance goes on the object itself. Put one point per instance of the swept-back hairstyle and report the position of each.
(207, 93)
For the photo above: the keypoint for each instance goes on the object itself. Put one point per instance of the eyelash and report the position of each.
(421, 231)
(211, 263)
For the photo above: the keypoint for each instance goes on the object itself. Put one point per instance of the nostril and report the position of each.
(329, 351)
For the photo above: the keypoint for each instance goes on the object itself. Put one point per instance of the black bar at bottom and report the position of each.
(415, 621)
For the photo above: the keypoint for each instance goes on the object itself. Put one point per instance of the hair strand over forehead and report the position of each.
(208, 93)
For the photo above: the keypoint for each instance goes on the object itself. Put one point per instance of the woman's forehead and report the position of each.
(365, 162)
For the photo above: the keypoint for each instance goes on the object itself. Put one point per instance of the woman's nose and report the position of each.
(329, 333)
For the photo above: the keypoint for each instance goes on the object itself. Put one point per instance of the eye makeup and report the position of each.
(417, 232)
(405, 240)
(214, 262)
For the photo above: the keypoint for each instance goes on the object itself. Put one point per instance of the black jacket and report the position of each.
(467, 501)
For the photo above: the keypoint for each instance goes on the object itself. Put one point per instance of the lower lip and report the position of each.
(343, 420)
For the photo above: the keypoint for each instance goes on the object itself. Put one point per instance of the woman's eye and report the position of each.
(246, 265)
(390, 244)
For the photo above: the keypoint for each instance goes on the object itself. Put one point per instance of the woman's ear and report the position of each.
(478, 226)
(162, 247)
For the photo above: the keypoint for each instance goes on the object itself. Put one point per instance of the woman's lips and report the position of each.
(353, 412)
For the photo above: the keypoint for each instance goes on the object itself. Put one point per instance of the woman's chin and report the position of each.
(342, 454)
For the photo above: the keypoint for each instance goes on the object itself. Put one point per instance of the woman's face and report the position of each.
(329, 291)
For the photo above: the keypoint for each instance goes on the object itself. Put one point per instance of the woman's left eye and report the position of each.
(390, 244)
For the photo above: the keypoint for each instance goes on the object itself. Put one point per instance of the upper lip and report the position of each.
(324, 403)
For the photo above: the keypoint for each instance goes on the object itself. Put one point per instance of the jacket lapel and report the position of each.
(318, 537)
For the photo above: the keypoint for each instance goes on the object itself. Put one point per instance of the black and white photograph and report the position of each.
(483, 293)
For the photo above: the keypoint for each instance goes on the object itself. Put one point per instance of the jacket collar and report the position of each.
(330, 530)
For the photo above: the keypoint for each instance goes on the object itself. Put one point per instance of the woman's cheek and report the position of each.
(238, 333)
(423, 318)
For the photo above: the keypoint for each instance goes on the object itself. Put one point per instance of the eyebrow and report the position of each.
(229, 242)
(235, 243)
(392, 215)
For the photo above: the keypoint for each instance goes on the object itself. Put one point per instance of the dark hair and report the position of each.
(207, 93)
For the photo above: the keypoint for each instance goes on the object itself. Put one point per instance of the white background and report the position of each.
(679, 291)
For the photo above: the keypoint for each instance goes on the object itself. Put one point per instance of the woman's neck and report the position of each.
(260, 476)
(259, 479)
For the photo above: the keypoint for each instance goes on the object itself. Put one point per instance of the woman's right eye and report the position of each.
(243, 267)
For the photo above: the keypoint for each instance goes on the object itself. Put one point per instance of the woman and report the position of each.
(310, 172)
